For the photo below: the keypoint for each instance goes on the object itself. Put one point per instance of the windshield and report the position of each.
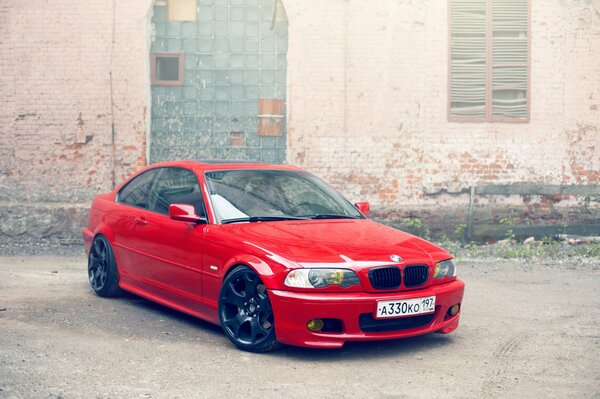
(261, 195)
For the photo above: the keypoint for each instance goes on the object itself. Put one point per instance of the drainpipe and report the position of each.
(112, 101)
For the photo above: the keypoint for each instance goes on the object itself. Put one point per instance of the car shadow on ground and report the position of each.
(177, 320)
(419, 346)
(415, 346)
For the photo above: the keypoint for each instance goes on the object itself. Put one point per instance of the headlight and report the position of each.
(445, 268)
(320, 278)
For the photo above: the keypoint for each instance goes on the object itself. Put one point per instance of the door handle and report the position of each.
(141, 220)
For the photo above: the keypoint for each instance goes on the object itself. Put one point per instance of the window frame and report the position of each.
(167, 54)
(328, 190)
(161, 170)
(488, 118)
(156, 172)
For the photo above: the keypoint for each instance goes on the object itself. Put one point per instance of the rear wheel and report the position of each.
(102, 268)
(245, 311)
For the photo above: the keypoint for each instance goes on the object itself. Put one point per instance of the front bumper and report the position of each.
(293, 310)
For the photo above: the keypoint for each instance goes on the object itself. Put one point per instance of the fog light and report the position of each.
(453, 311)
(315, 325)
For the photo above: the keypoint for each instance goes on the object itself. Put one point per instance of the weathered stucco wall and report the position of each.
(68, 79)
(366, 105)
(57, 136)
(373, 120)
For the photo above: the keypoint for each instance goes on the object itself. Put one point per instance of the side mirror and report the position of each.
(184, 213)
(363, 207)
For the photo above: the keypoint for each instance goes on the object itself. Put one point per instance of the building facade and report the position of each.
(404, 104)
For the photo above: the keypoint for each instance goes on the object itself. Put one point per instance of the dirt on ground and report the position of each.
(528, 329)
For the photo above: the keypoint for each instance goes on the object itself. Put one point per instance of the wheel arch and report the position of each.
(105, 230)
(265, 271)
(246, 314)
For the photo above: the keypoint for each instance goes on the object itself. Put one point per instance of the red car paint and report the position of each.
(182, 265)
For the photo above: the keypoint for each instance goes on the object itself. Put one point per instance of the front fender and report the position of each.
(269, 273)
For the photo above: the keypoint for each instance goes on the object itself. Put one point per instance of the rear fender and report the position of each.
(89, 236)
(106, 231)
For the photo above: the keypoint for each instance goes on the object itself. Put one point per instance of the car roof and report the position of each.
(202, 166)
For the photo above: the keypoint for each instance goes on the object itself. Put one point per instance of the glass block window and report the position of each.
(489, 61)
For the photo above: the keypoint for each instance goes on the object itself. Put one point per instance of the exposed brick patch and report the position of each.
(584, 153)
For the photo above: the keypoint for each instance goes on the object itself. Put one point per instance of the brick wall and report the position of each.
(366, 105)
(373, 120)
(56, 123)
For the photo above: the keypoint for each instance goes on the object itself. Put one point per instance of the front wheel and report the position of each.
(245, 311)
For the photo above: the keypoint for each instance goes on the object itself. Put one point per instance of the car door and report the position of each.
(169, 252)
(131, 207)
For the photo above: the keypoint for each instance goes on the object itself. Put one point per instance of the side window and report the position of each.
(176, 186)
(135, 193)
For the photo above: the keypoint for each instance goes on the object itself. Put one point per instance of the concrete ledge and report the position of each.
(40, 228)
(42, 220)
(492, 222)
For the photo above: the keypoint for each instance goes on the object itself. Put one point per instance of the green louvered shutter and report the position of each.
(468, 57)
(509, 54)
(500, 38)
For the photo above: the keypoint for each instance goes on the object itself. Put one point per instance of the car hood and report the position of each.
(344, 243)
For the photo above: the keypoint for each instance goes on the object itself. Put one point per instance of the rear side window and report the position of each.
(136, 192)
(175, 186)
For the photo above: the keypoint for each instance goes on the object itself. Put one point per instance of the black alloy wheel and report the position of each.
(102, 269)
(245, 311)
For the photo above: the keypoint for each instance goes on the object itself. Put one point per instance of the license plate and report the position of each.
(406, 307)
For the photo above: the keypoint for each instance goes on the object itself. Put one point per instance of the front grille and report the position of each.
(385, 278)
(369, 324)
(415, 275)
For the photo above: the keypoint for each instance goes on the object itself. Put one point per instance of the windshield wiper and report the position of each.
(262, 219)
(332, 216)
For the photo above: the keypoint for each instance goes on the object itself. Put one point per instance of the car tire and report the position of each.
(102, 269)
(245, 311)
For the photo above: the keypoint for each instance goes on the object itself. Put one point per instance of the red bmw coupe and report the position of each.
(269, 252)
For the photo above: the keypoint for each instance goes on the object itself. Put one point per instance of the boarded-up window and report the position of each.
(279, 12)
(270, 117)
(489, 60)
(237, 139)
(167, 69)
(181, 10)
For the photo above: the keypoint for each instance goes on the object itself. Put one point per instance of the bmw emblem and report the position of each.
(395, 258)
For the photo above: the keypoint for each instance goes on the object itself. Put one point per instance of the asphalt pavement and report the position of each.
(528, 329)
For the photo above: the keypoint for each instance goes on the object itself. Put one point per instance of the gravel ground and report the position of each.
(32, 246)
(528, 329)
